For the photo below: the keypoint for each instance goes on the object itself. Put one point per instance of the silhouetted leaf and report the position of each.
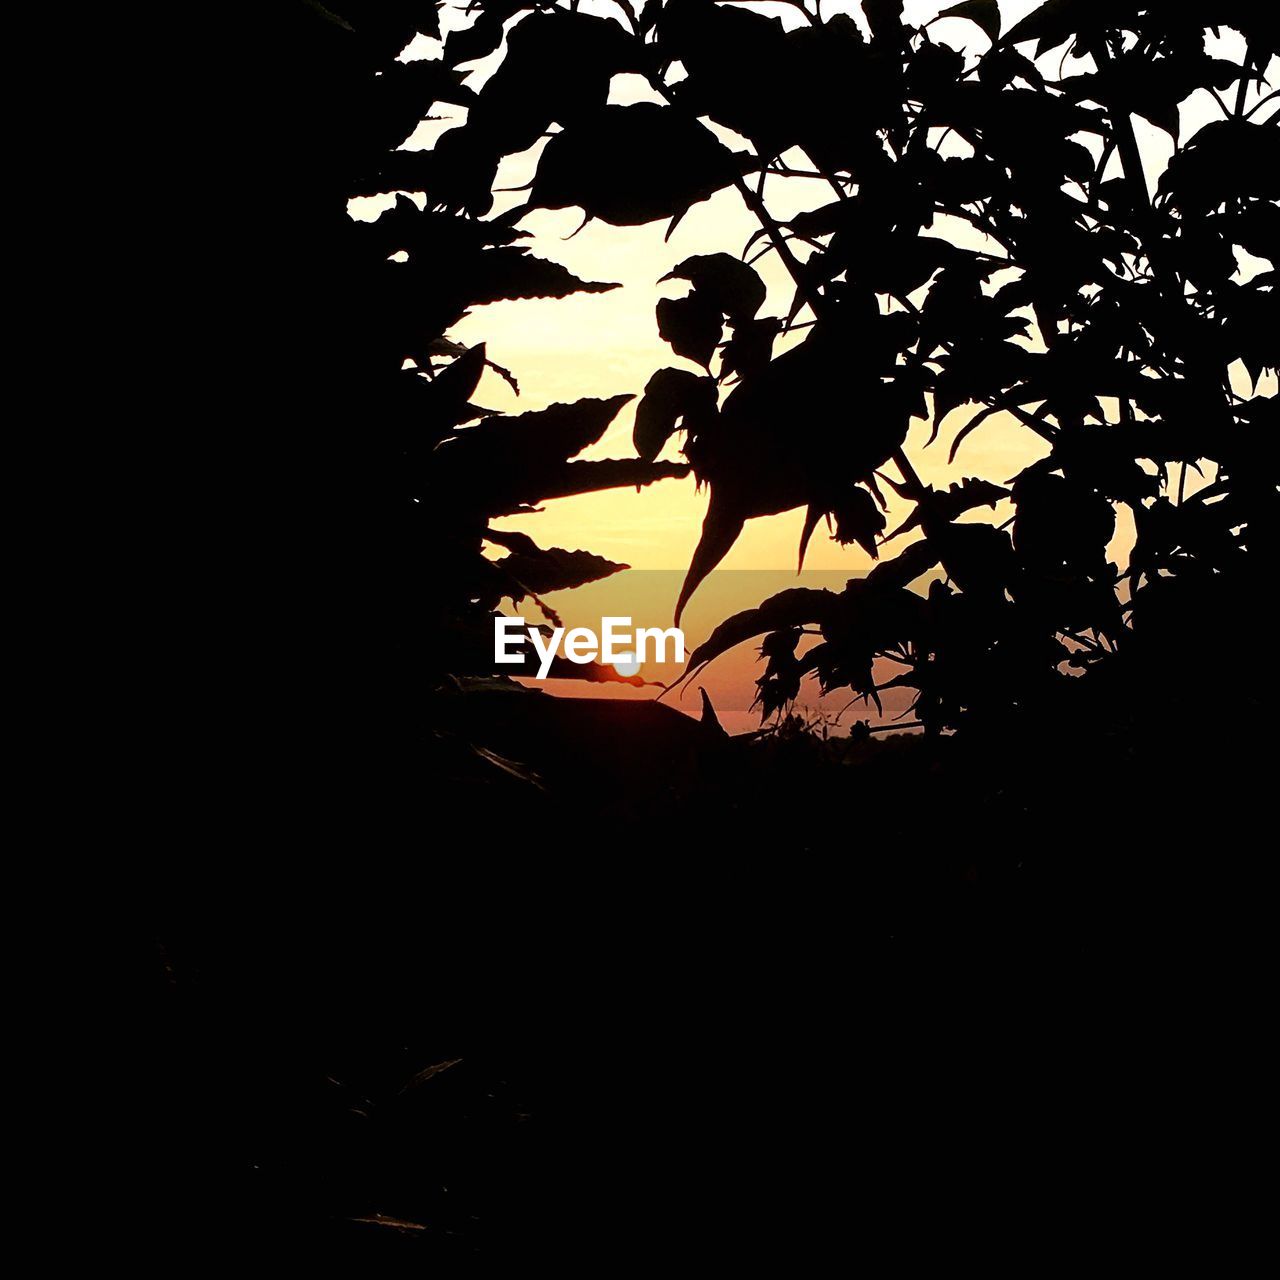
(557, 67)
(759, 463)
(691, 325)
(1256, 228)
(446, 397)
(724, 281)
(984, 13)
(939, 508)
(543, 570)
(859, 519)
(1057, 21)
(385, 28)
(977, 558)
(795, 607)
(721, 526)
(426, 234)
(1133, 82)
(382, 1219)
(1259, 24)
(557, 432)
(812, 515)
(1225, 159)
(749, 90)
(750, 348)
(630, 165)
(515, 273)
(402, 94)
(909, 564)
(884, 17)
(1071, 301)
(1060, 523)
(573, 478)
(439, 291)
(456, 175)
(709, 717)
(1004, 65)
(482, 37)
(669, 396)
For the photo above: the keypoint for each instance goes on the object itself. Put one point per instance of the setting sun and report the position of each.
(627, 665)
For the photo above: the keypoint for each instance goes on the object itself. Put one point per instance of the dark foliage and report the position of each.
(462, 970)
(1134, 301)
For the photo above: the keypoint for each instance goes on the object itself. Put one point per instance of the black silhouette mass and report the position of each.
(548, 980)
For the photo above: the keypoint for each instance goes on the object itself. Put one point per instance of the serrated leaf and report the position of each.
(440, 290)
(446, 396)
(456, 175)
(557, 432)
(509, 273)
(403, 93)
(573, 478)
(544, 570)
(405, 227)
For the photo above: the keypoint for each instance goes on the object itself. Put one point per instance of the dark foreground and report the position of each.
(393, 1009)
(690, 1001)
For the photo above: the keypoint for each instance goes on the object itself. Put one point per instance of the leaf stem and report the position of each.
(1126, 139)
(804, 286)
(1242, 91)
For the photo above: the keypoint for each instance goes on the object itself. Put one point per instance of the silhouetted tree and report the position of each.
(1105, 319)
(356, 1067)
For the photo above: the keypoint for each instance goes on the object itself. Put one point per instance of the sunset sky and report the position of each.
(604, 344)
